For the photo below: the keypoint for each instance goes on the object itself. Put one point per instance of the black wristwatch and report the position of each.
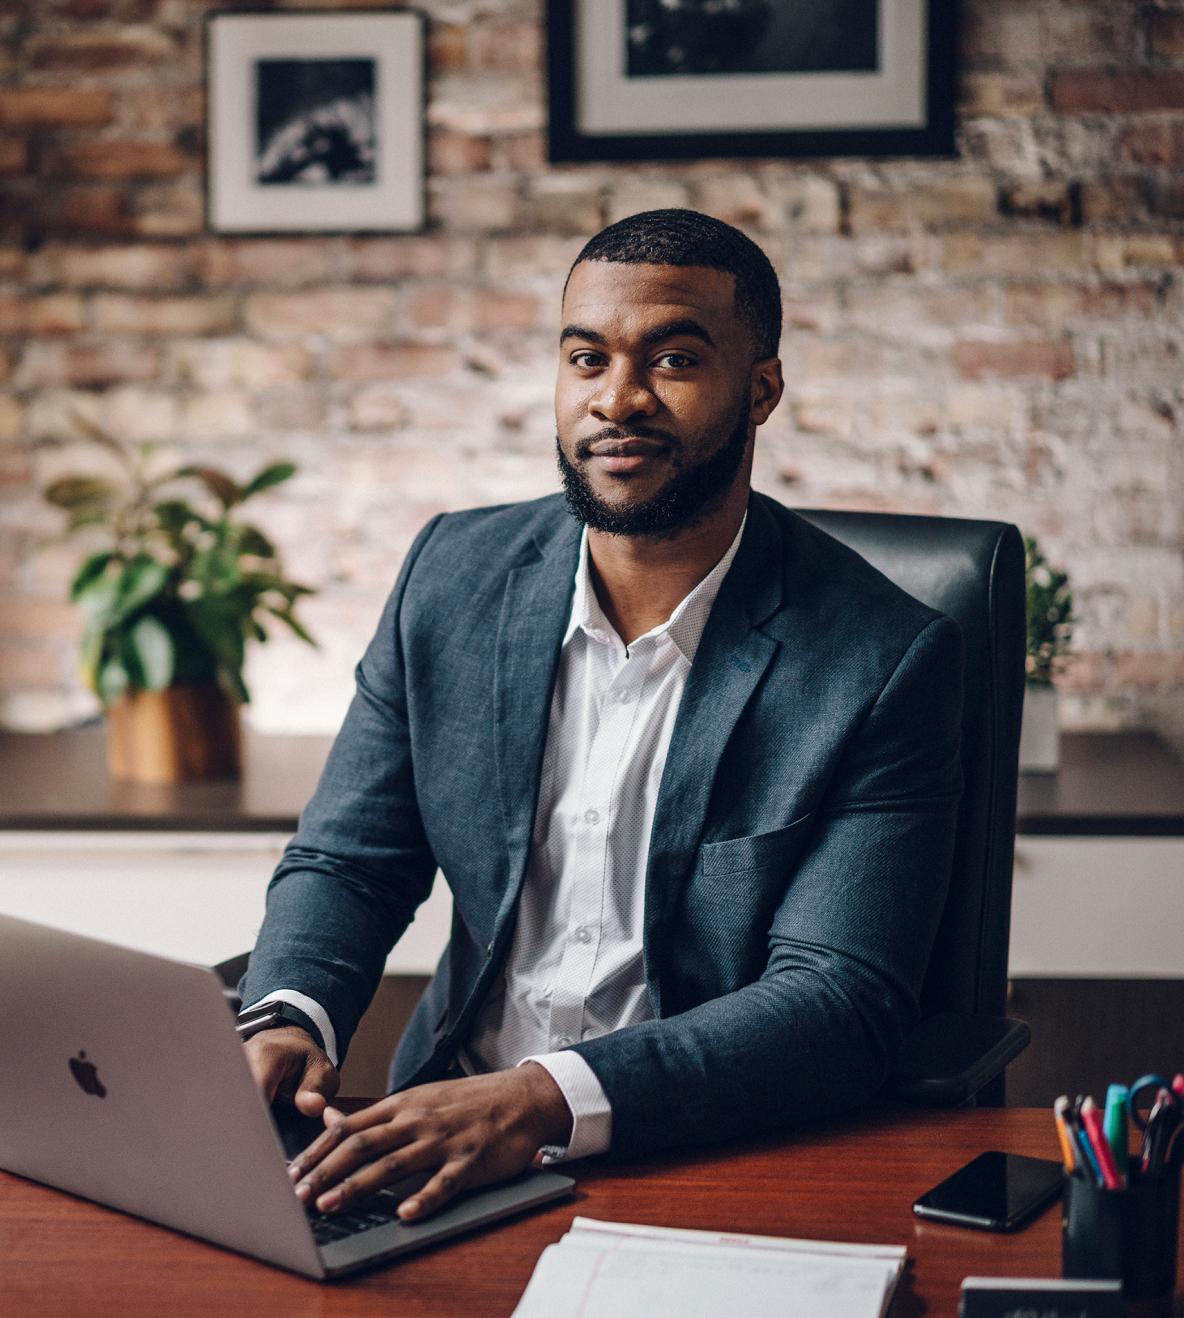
(270, 1016)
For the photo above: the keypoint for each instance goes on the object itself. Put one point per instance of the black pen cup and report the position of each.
(1129, 1234)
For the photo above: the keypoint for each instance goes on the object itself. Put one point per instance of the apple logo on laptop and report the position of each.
(86, 1075)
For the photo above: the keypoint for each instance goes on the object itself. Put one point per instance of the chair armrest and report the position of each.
(230, 972)
(950, 1057)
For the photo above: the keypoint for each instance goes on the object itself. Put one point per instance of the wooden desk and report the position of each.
(854, 1181)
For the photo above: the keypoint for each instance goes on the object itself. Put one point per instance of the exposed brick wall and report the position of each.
(999, 335)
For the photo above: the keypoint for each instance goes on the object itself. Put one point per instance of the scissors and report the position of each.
(1144, 1094)
(1155, 1107)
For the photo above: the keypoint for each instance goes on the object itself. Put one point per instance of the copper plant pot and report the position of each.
(185, 733)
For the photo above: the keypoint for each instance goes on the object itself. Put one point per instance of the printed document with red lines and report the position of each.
(621, 1270)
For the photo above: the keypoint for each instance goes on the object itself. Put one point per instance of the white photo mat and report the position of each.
(610, 103)
(393, 201)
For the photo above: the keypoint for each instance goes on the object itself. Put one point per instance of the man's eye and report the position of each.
(676, 361)
(585, 360)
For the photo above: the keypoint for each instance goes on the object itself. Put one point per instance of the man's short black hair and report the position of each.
(685, 237)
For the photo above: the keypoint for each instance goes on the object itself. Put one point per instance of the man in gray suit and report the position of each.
(688, 765)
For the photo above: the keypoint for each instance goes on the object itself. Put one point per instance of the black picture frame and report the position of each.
(570, 142)
(248, 215)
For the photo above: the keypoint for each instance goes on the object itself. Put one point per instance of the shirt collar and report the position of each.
(684, 626)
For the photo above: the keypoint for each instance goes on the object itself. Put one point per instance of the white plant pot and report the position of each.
(1039, 743)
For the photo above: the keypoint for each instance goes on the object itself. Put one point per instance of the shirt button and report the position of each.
(565, 1041)
(582, 934)
(591, 816)
(624, 697)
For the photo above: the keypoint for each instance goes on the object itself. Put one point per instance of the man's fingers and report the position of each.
(384, 1171)
(338, 1127)
(445, 1185)
(287, 1064)
(346, 1155)
(318, 1083)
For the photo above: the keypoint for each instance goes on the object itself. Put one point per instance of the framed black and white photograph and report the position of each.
(682, 79)
(315, 122)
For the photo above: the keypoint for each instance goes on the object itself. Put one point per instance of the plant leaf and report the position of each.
(252, 541)
(154, 652)
(218, 627)
(98, 597)
(143, 578)
(90, 654)
(75, 491)
(219, 484)
(113, 681)
(98, 435)
(92, 568)
(174, 515)
(269, 476)
(238, 688)
(285, 617)
(88, 514)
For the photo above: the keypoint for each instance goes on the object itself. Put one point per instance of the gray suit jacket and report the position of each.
(801, 842)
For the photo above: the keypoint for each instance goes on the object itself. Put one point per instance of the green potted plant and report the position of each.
(1050, 630)
(171, 599)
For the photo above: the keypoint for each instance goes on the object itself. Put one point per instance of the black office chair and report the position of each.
(973, 572)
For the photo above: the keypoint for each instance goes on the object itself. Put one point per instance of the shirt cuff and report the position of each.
(313, 1010)
(591, 1112)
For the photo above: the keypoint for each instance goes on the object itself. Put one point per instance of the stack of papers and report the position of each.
(618, 1270)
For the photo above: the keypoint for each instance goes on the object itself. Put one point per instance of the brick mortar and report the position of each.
(994, 335)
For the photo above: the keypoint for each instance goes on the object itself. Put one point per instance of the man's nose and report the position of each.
(622, 392)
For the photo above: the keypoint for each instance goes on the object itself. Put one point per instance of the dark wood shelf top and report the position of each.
(1109, 783)
(59, 781)
(1119, 784)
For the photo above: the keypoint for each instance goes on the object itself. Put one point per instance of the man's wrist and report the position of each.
(550, 1115)
(275, 1015)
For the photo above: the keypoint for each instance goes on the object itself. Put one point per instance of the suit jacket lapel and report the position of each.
(730, 661)
(535, 609)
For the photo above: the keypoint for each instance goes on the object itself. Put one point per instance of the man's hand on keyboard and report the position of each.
(468, 1132)
(288, 1065)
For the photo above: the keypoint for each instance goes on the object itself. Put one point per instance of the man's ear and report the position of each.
(767, 387)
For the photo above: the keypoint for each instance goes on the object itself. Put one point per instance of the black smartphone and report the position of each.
(994, 1192)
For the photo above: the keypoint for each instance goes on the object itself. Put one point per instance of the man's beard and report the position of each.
(691, 493)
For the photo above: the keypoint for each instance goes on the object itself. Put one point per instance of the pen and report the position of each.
(1092, 1122)
(1059, 1109)
(1115, 1126)
(1086, 1158)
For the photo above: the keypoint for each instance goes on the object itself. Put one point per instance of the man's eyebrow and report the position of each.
(685, 326)
(579, 332)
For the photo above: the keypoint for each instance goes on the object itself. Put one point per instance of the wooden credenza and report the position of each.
(182, 870)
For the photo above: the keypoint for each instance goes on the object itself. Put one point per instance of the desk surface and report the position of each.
(1121, 783)
(854, 1182)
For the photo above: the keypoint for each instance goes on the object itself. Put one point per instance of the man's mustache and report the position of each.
(610, 433)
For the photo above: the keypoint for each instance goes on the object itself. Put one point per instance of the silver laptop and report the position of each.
(123, 1081)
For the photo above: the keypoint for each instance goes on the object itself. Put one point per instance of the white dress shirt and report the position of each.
(575, 969)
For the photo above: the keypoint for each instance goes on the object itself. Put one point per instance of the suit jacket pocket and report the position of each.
(756, 852)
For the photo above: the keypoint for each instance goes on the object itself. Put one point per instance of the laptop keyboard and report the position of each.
(379, 1210)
